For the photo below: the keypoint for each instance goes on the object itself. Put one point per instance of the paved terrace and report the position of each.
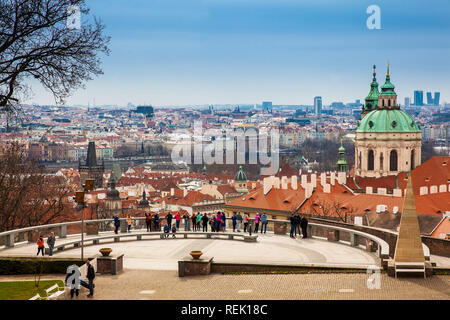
(164, 254)
(163, 285)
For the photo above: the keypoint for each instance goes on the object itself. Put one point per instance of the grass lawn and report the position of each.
(24, 290)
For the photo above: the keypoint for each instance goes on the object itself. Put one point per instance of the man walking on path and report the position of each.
(304, 225)
(116, 224)
(90, 276)
(234, 220)
(40, 244)
(263, 222)
(51, 243)
(239, 221)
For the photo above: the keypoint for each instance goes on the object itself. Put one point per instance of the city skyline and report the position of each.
(175, 53)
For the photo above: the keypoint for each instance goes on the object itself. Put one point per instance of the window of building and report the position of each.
(370, 161)
(393, 161)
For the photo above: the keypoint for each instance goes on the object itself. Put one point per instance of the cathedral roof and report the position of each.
(387, 120)
(240, 176)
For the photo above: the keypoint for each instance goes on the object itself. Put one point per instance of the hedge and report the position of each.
(16, 266)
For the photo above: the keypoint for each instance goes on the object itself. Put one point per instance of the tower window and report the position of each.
(412, 159)
(370, 161)
(393, 161)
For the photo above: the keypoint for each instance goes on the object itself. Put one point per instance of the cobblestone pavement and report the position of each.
(159, 285)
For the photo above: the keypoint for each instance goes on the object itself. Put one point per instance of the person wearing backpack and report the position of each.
(263, 222)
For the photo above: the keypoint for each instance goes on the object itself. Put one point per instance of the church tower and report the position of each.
(388, 140)
(342, 163)
(371, 100)
(91, 170)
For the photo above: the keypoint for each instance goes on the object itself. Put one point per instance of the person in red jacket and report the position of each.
(177, 220)
(40, 244)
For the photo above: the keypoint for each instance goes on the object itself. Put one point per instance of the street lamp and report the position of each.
(79, 198)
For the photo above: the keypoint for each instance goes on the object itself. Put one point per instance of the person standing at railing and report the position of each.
(205, 222)
(297, 224)
(177, 220)
(223, 219)
(213, 222)
(148, 221)
(304, 225)
(292, 220)
(217, 221)
(246, 221)
(186, 221)
(239, 221)
(51, 243)
(234, 220)
(194, 221)
(199, 219)
(263, 222)
(129, 222)
(116, 224)
(156, 222)
(169, 219)
(40, 244)
(257, 219)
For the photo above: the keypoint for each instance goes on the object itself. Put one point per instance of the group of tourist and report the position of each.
(298, 223)
(50, 242)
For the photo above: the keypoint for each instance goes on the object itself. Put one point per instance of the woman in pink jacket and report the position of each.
(257, 219)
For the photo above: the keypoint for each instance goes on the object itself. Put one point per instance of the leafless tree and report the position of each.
(334, 209)
(36, 42)
(28, 196)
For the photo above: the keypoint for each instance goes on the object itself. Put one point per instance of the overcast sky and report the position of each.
(183, 52)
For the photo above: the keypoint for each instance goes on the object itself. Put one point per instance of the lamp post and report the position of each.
(79, 198)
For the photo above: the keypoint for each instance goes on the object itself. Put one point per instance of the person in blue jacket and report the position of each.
(116, 224)
(263, 222)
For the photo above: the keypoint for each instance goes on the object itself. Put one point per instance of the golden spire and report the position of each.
(387, 74)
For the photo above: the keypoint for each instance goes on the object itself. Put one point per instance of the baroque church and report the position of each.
(388, 140)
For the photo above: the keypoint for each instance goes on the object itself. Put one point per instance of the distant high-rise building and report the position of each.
(407, 102)
(437, 96)
(430, 99)
(317, 105)
(418, 98)
(267, 105)
(433, 101)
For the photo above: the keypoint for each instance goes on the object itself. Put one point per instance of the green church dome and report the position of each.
(387, 120)
(240, 176)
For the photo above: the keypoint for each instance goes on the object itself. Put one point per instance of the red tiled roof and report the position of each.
(277, 199)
